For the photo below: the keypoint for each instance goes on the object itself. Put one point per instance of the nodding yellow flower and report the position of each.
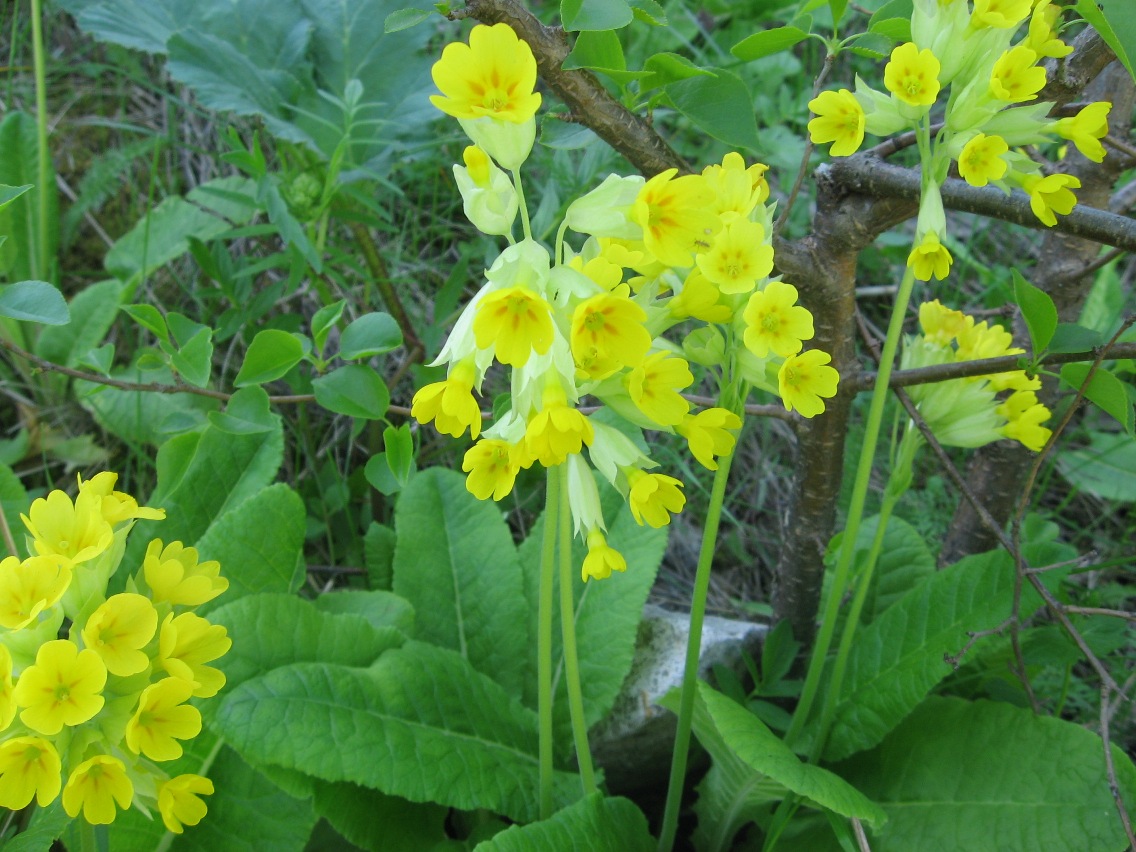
(929, 258)
(29, 766)
(709, 434)
(450, 404)
(983, 340)
(941, 324)
(1042, 38)
(839, 119)
(1000, 14)
(1051, 194)
(676, 214)
(737, 190)
(1024, 416)
(175, 575)
(61, 527)
(1016, 76)
(514, 322)
(602, 558)
(491, 77)
(7, 699)
(29, 587)
(804, 379)
(912, 75)
(774, 321)
(600, 269)
(185, 644)
(163, 718)
(654, 388)
(179, 801)
(654, 497)
(608, 333)
(116, 506)
(556, 431)
(492, 466)
(119, 629)
(699, 298)
(980, 160)
(63, 687)
(738, 257)
(95, 786)
(1086, 129)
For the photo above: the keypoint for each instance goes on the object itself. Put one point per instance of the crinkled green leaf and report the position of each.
(595, 823)
(380, 823)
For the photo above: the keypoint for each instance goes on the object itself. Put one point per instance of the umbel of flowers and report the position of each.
(95, 686)
(581, 322)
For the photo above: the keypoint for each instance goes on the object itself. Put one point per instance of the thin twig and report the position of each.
(954, 660)
(829, 58)
(9, 540)
(861, 837)
(1113, 785)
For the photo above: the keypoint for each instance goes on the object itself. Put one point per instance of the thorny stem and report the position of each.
(544, 638)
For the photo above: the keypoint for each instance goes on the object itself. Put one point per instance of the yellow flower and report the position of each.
(774, 321)
(179, 802)
(450, 404)
(163, 718)
(492, 467)
(1086, 129)
(76, 530)
(175, 575)
(602, 558)
(515, 322)
(29, 587)
(116, 506)
(803, 379)
(699, 299)
(708, 435)
(654, 388)
(981, 160)
(7, 699)
(29, 766)
(185, 644)
(982, 340)
(118, 631)
(1042, 39)
(555, 432)
(1051, 194)
(675, 215)
(941, 324)
(1016, 77)
(912, 75)
(493, 76)
(95, 786)
(737, 190)
(1000, 14)
(738, 257)
(1024, 416)
(654, 497)
(839, 119)
(63, 687)
(929, 258)
(608, 333)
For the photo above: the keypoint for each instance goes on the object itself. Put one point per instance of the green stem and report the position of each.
(526, 226)
(544, 639)
(44, 161)
(568, 631)
(693, 646)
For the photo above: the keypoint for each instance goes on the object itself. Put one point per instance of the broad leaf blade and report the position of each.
(595, 823)
(1038, 310)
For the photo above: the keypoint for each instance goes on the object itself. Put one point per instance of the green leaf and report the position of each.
(92, 313)
(838, 7)
(247, 413)
(194, 361)
(378, 473)
(371, 334)
(399, 445)
(668, 68)
(404, 19)
(420, 723)
(578, 15)
(291, 231)
(34, 301)
(382, 609)
(21, 253)
(8, 194)
(271, 354)
(1038, 311)
(13, 500)
(1113, 20)
(1105, 391)
(904, 561)
(988, 776)
(149, 318)
(324, 320)
(595, 823)
(160, 236)
(355, 390)
(1070, 337)
(372, 820)
(1106, 468)
(456, 564)
(767, 43)
(893, 29)
(378, 554)
(46, 825)
(721, 105)
(598, 50)
(649, 12)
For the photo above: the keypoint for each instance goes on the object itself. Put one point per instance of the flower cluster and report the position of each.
(94, 686)
(985, 57)
(968, 412)
(587, 320)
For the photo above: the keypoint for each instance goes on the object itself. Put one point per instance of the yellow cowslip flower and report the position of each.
(708, 433)
(1086, 129)
(450, 404)
(31, 586)
(654, 497)
(514, 322)
(676, 215)
(175, 575)
(774, 321)
(912, 75)
(839, 119)
(980, 160)
(163, 718)
(1051, 194)
(804, 379)
(739, 256)
(1042, 37)
(699, 298)
(492, 467)
(555, 432)
(599, 269)
(63, 687)
(117, 506)
(941, 324)
(1024, 416)
(1016, 76)
(179, 801)
(185, 644)
(608, 333)
(29, 766)
(95, 786)
(736, 189)
(60, 527)
(983, 340)
(491, 77)
(1000, 14)
(929, 258)
(7, 699)
(654, 388)
(602, 558)
(489, 198)
(119, 629)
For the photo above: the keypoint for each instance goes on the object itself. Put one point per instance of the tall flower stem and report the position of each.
(41, 257)
(693, 646)
(544, 639)
(568, 632)
(526, 226)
